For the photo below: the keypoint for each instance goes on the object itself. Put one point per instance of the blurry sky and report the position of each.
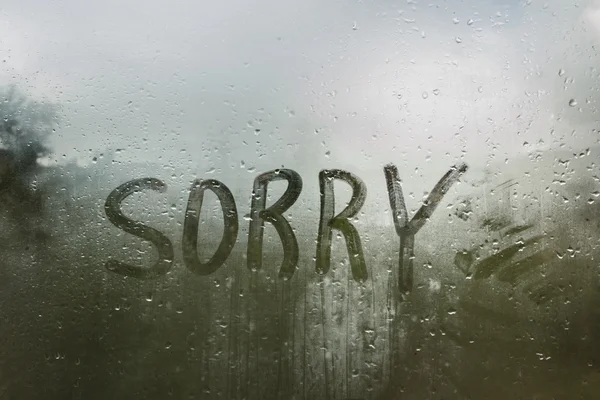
(306, 83)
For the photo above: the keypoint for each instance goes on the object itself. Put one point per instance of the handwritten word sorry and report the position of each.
(259, 214)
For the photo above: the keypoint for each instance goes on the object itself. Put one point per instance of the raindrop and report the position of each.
(458, 40)
(425, 95)
(436, 91)
(561, 72)
(572, 103)
(470, 22)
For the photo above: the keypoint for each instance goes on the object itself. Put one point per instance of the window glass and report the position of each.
(299, 199)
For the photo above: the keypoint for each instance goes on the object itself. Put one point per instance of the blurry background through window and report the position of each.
(503, 298)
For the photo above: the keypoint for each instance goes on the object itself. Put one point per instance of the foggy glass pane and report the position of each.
(299, 200)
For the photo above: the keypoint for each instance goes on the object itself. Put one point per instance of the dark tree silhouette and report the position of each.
(25, 127)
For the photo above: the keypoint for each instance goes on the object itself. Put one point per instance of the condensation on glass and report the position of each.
(299, 200)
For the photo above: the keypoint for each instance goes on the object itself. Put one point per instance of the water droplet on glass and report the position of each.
(455, 20)
(572, 103)
(436, 91)
(425, 95)
(561, 72)
(470, 22)
(458, 40)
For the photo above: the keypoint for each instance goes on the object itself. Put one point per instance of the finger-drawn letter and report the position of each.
(274, 214)
(406, 229)
(112, 207)
(190, 226)
(328, 221)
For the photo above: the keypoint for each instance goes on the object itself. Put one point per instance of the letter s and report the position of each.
(112, 207)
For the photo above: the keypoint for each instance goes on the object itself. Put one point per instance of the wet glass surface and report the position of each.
(299, 200)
